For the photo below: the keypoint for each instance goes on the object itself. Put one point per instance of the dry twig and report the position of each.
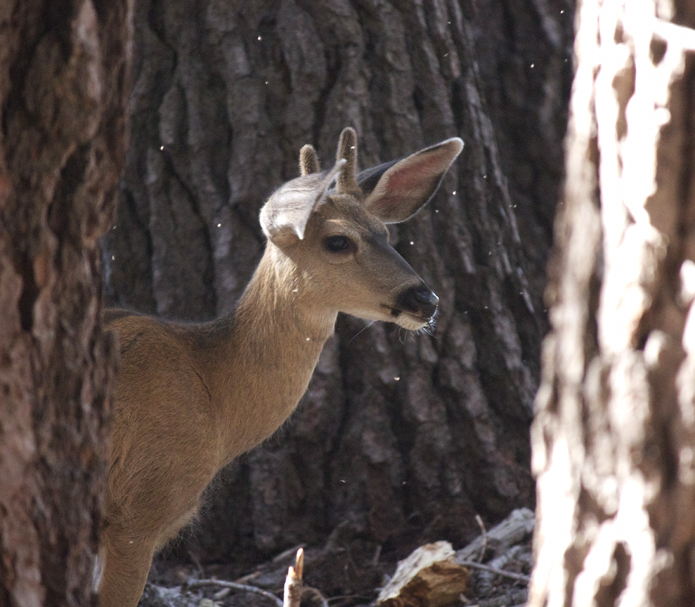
(483, 535)
(235, 586)
(520, 577)
(294, 585)
(293, 582)
(316, 594)
(511, 531)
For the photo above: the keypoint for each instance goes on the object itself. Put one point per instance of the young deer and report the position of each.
(189, 398)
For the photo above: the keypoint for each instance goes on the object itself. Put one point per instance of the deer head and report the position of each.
(331, 227)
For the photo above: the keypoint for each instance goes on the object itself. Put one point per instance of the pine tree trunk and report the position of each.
(399, 439)
(62, 91)
(614, 436)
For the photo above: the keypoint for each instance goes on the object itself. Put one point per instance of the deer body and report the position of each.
(190, 398)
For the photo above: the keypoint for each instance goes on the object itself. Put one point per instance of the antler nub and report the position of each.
(308, 160)
(347, 148)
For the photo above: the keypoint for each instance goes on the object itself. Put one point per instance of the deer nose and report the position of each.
(420, 300)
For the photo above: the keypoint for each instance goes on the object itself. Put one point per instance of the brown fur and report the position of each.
(191, 397)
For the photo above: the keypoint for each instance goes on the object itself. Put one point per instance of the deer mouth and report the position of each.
(395, 312)
(409, 318)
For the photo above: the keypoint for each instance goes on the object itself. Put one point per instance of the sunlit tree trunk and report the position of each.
(614, 437)
(63, 68)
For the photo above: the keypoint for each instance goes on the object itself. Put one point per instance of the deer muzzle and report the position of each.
(419, 301)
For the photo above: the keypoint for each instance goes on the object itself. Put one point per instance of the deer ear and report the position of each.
(285, 216)
(396, 190)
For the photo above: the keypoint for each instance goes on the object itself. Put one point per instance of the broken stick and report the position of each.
(293, 582)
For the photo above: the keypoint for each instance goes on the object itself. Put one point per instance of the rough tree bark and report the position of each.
(62, 144)
(399, 440)
(615, 432)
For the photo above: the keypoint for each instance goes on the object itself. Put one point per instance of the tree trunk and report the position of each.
(399, 439)
(614, 435)
(62, 91)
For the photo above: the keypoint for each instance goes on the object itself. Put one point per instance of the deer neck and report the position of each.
(274, 339)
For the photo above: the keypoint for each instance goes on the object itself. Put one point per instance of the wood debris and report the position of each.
(491, 571)
(293, 581)
(428, 577)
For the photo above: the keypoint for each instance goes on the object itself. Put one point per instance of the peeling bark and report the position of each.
(614, 434)
(62, 93)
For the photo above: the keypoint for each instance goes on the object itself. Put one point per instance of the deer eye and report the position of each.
(337, 244)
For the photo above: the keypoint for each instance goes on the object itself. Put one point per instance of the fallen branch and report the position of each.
(193, 584)
(511, 531)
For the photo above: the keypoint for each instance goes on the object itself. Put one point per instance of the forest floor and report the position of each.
(491, 571)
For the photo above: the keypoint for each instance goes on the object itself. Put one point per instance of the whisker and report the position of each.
(362, 330)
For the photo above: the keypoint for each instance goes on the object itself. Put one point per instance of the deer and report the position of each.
(191, 397)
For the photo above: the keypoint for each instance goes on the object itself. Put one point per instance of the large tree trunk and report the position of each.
(62, 93)
(615, 433)
(398, 440)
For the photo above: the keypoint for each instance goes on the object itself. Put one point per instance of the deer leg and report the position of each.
(125, 568)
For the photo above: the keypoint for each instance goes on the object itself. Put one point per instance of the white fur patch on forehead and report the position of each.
(290, 207)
